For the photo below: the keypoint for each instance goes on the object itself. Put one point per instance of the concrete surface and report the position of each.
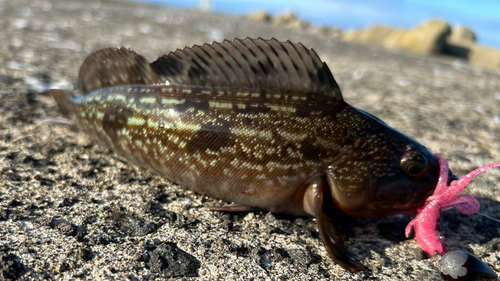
(69, 209)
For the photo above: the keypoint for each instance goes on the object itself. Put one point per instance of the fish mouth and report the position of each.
(407, 204)
(418, 200)
(411, 206)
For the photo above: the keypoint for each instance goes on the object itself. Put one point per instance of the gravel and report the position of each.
(70, 209)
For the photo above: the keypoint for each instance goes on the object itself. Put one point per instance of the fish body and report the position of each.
(258, 122)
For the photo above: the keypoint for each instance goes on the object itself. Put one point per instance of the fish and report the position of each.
(257, 122)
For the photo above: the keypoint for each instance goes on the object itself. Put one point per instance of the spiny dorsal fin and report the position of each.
(237, 64)
(250, 63)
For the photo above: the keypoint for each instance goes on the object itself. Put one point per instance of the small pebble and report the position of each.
(460, 265)
(82, 254)
(496, 246)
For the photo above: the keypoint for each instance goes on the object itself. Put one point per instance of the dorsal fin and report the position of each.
(237, 64)
(250, 63)
(112, 67)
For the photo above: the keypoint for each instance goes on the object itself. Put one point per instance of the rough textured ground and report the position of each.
(70, 209)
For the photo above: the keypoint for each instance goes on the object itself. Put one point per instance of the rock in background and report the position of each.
(69, 209)
(428, 38)
(462, 43)
(431, 37)
(290, 20)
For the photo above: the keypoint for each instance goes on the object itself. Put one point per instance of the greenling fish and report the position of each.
(257, 122)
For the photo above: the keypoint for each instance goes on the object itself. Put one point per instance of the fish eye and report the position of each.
(413, 164)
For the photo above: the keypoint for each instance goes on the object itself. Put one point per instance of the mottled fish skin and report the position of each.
(257, 122)
(221, 143)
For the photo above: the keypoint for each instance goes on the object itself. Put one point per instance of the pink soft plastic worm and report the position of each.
(445, 197)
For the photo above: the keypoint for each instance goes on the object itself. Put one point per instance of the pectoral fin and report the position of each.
(334, 241)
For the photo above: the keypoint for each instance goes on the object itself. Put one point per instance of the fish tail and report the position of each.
(63, 99)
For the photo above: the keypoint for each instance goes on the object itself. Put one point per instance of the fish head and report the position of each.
(407, 188)
(395, 185)
(395, 178)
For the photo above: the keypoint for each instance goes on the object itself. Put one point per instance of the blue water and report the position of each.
(482, 16)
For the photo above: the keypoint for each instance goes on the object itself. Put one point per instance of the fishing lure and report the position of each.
(445, 197)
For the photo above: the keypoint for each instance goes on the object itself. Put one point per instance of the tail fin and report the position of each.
(63, 99)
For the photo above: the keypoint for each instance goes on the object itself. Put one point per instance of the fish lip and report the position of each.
(409, 207)
(418, 200)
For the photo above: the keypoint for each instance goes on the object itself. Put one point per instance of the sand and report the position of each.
(70, 209)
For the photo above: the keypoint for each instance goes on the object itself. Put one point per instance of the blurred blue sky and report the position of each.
(482, 16)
